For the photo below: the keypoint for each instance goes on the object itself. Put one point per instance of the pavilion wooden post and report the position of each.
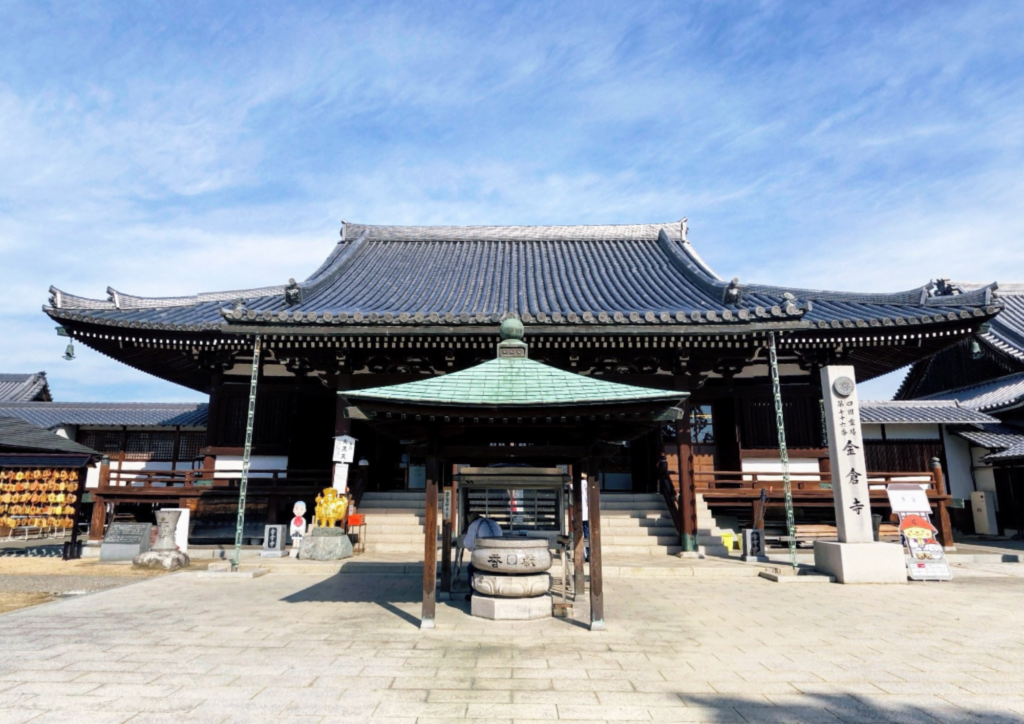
(430, 546)
(942, 510)
(687, 489)
(99, 505)
(446, 529)
(596, 574)
(579, 583)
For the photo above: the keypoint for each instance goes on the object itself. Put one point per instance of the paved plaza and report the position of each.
(301, 647)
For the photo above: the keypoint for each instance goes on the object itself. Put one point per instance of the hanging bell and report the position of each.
(69, 353)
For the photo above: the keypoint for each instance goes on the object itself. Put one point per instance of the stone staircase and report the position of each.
(636, 524)
(709, 534)
(394, 523)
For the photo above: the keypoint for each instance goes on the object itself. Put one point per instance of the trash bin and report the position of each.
(876, 524)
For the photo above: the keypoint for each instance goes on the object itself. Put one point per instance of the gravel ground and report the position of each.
(29, 581)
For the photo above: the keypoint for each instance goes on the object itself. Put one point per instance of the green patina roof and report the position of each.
(518, 381)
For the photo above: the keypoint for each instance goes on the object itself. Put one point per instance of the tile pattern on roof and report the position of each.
(131, 414)
(626, 274)
(17, 434)
(24, 387)
(938, 412)
(515, 382)
(996, 395)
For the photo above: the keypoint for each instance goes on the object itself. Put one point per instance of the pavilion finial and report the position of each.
(512, 344)
(684, 228)
(511, 328)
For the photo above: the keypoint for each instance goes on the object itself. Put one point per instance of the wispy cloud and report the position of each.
(169, 149)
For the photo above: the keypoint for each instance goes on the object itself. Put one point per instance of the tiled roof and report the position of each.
(156, 414)
(1006, 330)
(996, 436)
(513, 382)
(1005, 441)
(24, 387)
(905, 412)
(1002, 393)
(19, 435)
(625, 274)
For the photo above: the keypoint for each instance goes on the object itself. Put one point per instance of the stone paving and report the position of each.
(288, 648)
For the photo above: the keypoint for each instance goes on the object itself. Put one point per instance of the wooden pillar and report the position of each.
(447, 528)
(687, 489)
(596, 573)
(430, 547)
(99, 518)
(578, 573)
(99, 506)
(942, 510)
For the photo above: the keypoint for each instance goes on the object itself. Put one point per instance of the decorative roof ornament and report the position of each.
(684, 229)
(292, 293)
(733, 295)
(944, 288)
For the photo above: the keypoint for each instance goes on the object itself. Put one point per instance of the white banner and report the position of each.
(344, 449)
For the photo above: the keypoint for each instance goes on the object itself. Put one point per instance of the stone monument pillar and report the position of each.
(856, 558)
(165, 553)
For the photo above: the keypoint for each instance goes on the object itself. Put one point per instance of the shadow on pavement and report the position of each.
(840, 709)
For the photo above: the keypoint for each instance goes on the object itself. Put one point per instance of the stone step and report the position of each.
(639, 523)
(620, 550)
(393, 504)
(632, 541)
(652, 532)
(715, 550)
(648, 507)
(632, 498)
(388, 529)
(370, 510)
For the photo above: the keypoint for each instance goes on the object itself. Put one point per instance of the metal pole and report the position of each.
(247, 452)
(783, 452)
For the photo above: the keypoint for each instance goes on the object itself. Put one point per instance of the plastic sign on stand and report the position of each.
(344, 449)
(927, 559)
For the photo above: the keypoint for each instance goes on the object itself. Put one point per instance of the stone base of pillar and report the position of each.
(861, 562)
(512, 609)
(168, 560)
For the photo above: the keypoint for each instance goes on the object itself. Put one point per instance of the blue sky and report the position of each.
(173, 148)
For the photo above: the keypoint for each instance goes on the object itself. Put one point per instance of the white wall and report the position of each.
(912, 432)
(958, 467)
(807, 466)
(871, 432)
(233, 463)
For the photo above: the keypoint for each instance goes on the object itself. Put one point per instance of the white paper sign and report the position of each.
(846, 450)
(344, 449)
(341, 477)
(905, 498)
(447, 505)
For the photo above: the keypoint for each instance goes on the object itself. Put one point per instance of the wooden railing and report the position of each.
(197, 480)
(706, 480)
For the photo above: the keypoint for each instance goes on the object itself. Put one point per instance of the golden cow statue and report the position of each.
(330, 508)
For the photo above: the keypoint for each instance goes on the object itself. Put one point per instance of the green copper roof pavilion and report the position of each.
(513, 380)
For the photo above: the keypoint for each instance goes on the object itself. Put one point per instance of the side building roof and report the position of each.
(921, 412)
(996, 351)
(610, 274)
(24, 387)
(128, 414)
(21, 436)
(998, 395)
